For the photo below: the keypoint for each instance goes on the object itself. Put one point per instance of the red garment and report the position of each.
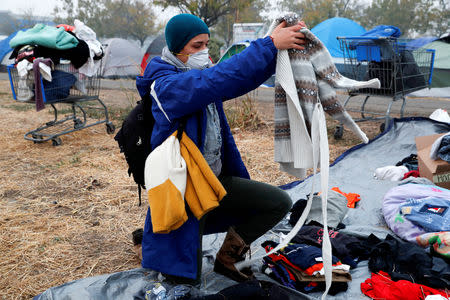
(309, 271)
(352, 198)
(413, 173)
(66, 27)
(381, 286)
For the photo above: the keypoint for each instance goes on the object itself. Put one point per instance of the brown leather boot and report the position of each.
(232, 251)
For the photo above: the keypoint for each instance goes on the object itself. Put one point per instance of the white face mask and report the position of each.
(199, 60)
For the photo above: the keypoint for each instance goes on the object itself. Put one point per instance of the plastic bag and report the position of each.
(440, 115)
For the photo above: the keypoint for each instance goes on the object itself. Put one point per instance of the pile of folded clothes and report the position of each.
(300, 267)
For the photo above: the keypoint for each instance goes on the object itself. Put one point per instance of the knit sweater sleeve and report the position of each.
(183, 93)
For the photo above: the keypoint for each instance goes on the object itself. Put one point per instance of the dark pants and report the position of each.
(251, 207)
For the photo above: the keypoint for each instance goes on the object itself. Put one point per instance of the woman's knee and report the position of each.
(285, 202)
(281, 202)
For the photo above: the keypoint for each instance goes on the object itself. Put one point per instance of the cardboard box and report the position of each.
(438, 171)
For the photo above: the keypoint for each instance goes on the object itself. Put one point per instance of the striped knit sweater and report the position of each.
(315, 77)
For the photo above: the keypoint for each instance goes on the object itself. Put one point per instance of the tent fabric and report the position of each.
(5, 52)
(441, 71)
(234, 49)
(328, 30)
(5, 62)
(442, 57)
(352, 172)
(122, 59)
(4, 45)
(422, 41)
(154, 49)
(132, 285)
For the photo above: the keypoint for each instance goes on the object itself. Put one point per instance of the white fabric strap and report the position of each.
(320, 145)
(153, 93)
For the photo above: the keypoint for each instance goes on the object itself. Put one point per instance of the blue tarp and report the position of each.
(4, 45)
(328, 30)
(422, 41)
(384, 31)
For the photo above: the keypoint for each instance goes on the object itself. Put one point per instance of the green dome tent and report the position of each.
(234, 49)
(441, 70)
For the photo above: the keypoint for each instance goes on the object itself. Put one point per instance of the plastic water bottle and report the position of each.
(158, 292)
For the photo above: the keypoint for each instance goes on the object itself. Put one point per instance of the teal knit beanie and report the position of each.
(181, 29)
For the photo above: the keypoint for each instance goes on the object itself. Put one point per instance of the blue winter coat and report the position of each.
(183, 94)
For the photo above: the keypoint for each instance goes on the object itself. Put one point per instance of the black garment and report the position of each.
(397, 71)
(78, 55)
(137, 236)
(254, 289)
(345, 247)
(410, 162)
(407, 261)
(296, 211)
(413, 77)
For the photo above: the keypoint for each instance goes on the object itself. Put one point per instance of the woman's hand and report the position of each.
(288, 37)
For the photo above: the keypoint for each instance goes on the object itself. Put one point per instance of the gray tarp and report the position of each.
(352, 172)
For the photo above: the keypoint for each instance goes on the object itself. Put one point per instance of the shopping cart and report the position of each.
(401, 69)
(77, 94)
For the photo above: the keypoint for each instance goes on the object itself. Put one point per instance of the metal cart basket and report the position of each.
(401, 69)
(78, 93)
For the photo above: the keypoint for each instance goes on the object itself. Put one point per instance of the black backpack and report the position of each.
(134, 140)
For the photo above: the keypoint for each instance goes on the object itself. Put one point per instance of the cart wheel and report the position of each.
(382, 127)
(36, 137)
(77, 123)
(338, 132)
(110, 128)
(56, 141)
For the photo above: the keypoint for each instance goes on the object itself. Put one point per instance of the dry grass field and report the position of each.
(67, 212)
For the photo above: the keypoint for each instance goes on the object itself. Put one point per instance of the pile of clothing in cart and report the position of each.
(63, 55)
(400, 264)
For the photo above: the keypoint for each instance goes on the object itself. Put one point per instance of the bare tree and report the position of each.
(210, 11)
(315, 11)
(243, 12)
(111, 18)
